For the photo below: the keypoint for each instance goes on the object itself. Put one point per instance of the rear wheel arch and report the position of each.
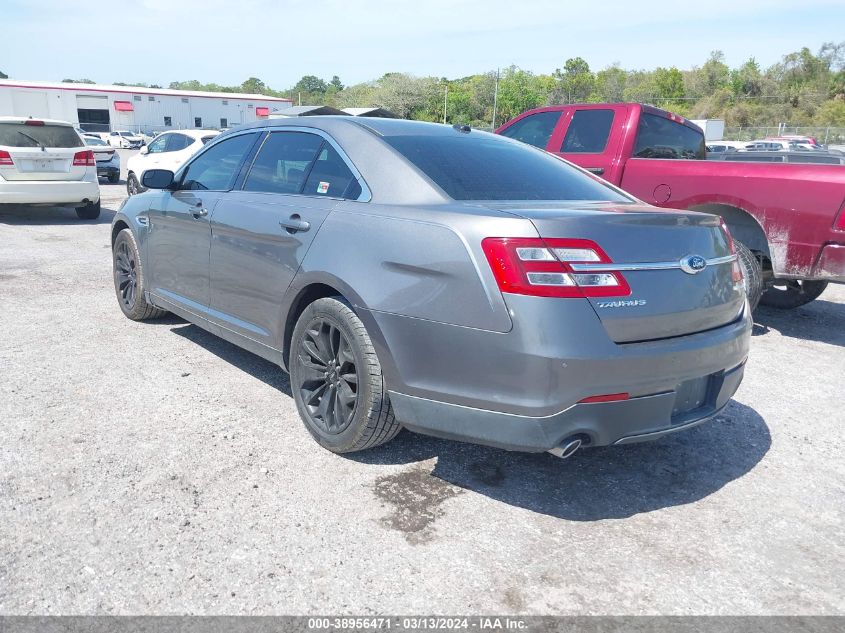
(743, 226)
(305, 297)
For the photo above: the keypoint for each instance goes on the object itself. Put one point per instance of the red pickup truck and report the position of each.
(790, 216)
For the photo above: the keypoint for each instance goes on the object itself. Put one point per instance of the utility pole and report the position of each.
(300, 97)
(445, 101)
(495, 98)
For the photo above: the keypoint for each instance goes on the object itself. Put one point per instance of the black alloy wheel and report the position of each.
(328, 376)
(126, 278)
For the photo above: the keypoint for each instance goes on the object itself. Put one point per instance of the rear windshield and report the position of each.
(478, 166)
(21, 135)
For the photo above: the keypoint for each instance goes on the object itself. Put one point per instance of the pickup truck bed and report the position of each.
(791, 216)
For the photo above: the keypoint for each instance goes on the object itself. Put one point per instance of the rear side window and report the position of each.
(282, 162)
(659, 137)
(535, 129)
(177, 142)
(331, 177)
(22, 135)
(216, 168)
(588, 132)
(479, 166)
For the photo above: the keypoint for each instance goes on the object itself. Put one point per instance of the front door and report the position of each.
(260, 234)
(179, 237)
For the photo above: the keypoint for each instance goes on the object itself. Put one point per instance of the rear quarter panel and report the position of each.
(424, 263)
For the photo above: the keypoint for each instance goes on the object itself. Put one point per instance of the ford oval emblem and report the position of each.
(692, 264)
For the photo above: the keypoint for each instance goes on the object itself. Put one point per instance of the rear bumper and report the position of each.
(107, 170)
(831, 264)
(519, 390)
(635, 420)
(48, 191)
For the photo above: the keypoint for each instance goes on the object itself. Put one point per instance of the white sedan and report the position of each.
(168, 151)
(45, 162)
(107, 158)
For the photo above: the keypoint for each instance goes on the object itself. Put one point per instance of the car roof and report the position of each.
(376, 125)
(24, 119)
(193, 133)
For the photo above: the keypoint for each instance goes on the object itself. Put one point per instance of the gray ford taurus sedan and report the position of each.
(453, 282)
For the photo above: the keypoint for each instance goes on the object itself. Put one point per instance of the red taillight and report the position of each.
(35, 122)
(5, 158)
(85, 158)
(840, 220)
(608, 397)
(736, 269)
(542, 267)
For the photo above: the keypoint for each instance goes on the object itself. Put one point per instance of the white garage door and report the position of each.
(87, 102)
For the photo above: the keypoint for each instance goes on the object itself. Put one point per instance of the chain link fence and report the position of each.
(825, 135)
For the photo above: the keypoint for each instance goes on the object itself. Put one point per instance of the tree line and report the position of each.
(803, 88)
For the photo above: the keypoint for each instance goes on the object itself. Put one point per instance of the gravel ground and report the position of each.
(153, 468)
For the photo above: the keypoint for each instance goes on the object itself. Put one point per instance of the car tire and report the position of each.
(133, 187)
(90, 211)
(337, 381)
(128, 273)
(752, 274)
(787, 294)
(113, 178)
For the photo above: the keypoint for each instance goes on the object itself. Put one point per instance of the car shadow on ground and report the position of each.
(820, 320)
(267, 372)
(594, 484)
(21, 215)
(597, 483)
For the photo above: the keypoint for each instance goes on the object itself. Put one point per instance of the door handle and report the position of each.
(199, 211)
(598, 171)
(295, 223)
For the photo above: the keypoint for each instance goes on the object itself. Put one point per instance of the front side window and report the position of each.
(217, 167)
(283, 162)
(479, 166)
(588, 132)
(158, 145)
(659, 137)
(535, 129)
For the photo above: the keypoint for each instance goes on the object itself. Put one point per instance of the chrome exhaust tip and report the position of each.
(566, 449)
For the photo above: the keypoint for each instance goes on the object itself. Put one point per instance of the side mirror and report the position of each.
(157, 179)
(145, 149)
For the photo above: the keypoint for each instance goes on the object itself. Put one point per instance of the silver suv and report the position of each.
(441, 279)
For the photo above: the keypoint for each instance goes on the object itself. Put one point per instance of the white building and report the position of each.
(101, 108)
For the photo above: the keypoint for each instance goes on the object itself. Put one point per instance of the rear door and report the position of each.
(35, 150)
(260, 233)
(179, 236)
(592, 138)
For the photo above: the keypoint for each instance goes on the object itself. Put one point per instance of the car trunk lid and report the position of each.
(678, 265)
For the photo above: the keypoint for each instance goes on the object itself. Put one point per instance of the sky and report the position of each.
(225, 42)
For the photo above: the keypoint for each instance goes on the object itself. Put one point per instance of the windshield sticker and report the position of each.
(323, 187)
